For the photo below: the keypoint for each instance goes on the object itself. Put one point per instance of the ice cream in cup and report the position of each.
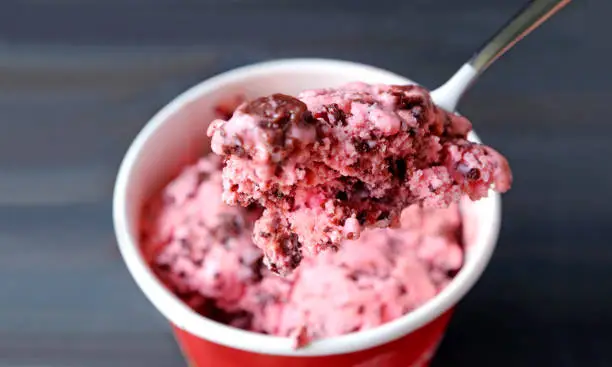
(176, 136)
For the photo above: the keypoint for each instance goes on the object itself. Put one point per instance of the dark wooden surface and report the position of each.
(78, 79)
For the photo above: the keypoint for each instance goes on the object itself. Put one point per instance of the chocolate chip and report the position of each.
(277, 110)
(338, 115)
(308, 117)
(397, 168)
(404, 99)
(274, 268)
(235, 150)
(278, 170)
(292, 248)
(361, 146)
(252, 207)
(473, 174)
(342, 196)
(400, 165)
(332, 114)
(359, 186)
(276, 114)
(452, 273)
(362, 217)
(290, 201)
(257, 269)
(382, 200)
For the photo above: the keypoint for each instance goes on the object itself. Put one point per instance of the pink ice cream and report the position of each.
(331, 162)
(202, 249)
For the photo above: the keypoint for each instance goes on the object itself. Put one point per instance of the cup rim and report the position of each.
(185, 318)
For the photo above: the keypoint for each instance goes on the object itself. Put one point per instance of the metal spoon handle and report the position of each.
(534, 13)
(526, 20)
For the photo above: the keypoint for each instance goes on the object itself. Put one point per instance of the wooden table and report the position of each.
(78, 79)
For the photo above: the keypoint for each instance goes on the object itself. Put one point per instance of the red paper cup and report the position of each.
(176, 136)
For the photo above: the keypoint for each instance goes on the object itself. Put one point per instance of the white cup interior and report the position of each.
(177, 135)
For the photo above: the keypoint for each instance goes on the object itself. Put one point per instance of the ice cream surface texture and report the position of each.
(331, 162)
(201, 248)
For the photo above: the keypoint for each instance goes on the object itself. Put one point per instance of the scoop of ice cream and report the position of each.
(202, 249)
(331, 162)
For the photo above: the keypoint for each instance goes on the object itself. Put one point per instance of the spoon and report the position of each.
(526, 20)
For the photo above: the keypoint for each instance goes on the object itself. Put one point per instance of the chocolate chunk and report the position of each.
(361, 146)
(404, 99)
(400, 168)
(292, 248)
(235, 150)
(277, 111)
(332, 114)
(276, 114)
(397, 168)
(278, 171)
(362, 217)
(473, 174)
(342, 196)
(359, 186)
(257, 268)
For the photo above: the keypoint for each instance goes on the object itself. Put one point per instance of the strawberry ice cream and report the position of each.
(331, 162)
(202, 250)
